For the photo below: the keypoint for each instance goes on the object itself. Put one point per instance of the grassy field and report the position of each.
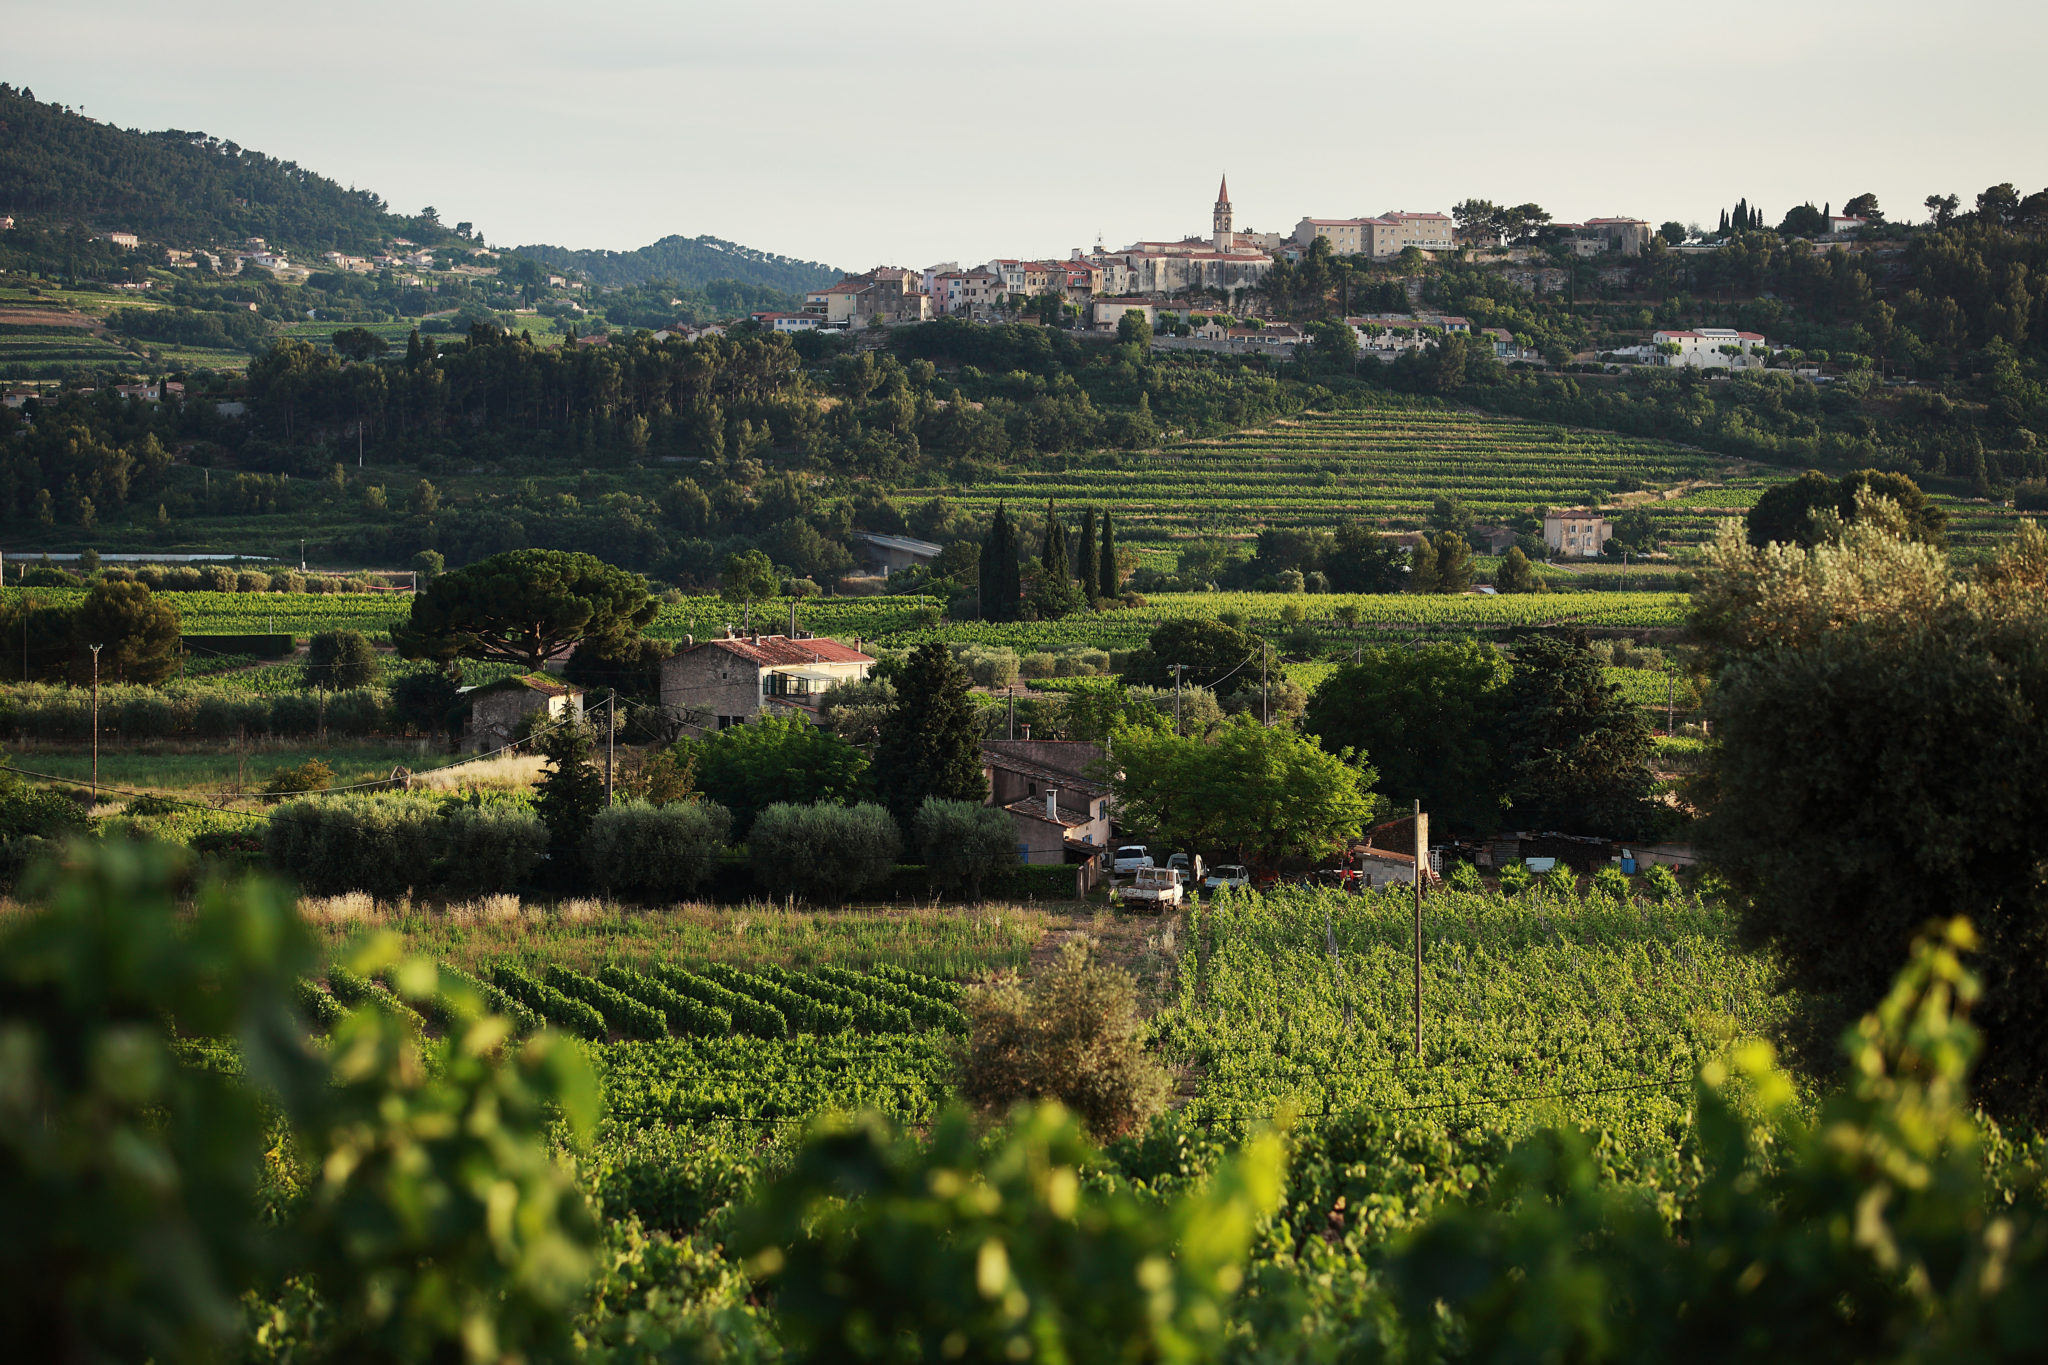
(955, 942)
(201, 769)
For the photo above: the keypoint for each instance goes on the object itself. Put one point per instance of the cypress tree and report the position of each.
(1053, 553)
(995, 554)
(1111, 582)
(930, 743)
(1085, 564)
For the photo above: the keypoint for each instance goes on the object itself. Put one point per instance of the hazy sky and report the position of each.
(910, 133)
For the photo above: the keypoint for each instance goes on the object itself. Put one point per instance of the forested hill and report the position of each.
(181, 188)
(689, 261)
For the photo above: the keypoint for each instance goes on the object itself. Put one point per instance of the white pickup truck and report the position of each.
(1154, 888)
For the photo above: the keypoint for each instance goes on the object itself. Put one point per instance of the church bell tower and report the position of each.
(1220, 220)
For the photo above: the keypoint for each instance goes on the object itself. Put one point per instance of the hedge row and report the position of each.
(44, 711)
(622, 1012)
(550, 1004)
(748, 1014)
(321, 1009)
(492, 998)
(931, 987)
(388, 846)
(924, 1011)
(869, 1014)
(654, 851)
(685, 1016)
(358, 991)
(806, 1014)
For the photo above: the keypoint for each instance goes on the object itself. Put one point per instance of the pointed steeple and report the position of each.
(1219, 220)
(1223, 190)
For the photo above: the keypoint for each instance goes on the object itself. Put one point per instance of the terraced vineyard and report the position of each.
(1386, 463)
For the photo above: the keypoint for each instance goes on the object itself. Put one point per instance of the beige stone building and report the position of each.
(1061, 813)
(1221, 262)
(1389, 234)
(888, 292)
(1577, 533)
(498, 710)
(732, 681)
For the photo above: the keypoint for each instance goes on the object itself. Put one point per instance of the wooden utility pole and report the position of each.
(611, 731)
(96, 720)
(1421, 870)
(1178, 669)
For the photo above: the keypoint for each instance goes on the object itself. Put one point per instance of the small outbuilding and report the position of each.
(497, 710)
(889, 554)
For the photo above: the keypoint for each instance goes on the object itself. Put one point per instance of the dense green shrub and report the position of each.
(1662, 883)
(338, 660)
(343, 843)
(748, 1015)
(1075, 1037)
(654, 852)
(823, 852)
(964, 842)
(488, 849)
(387, 844)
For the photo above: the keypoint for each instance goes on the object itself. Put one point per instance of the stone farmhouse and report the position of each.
(1061, 813)
(732, 681)
(1576, 533)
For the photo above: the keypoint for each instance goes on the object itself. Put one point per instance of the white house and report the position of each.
(1706, 348)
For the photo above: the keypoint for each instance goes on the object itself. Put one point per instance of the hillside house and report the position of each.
(1060, 812)
(1577, 533)
(1710, 348)
(733, 681)
(497, 710)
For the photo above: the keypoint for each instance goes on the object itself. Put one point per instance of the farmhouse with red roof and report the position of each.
(732, 681)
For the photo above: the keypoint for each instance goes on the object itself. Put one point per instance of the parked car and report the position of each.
(1190, 867)
(1130, 858)
(1229, 874)
(1155, 888)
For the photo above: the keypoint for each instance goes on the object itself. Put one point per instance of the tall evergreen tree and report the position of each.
(1052, 554)
(1110, 580)
(930, 744)
(1085, 567)
(998, 560)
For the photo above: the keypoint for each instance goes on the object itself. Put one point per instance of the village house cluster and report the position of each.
(1191, 291)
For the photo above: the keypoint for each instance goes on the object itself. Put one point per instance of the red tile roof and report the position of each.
(779, 651)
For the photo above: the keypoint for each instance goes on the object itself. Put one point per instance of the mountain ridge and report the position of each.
(687, 261)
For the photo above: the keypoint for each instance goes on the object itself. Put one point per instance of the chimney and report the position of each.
(1052, 803)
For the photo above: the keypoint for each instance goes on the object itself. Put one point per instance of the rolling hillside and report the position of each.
(689, 261)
